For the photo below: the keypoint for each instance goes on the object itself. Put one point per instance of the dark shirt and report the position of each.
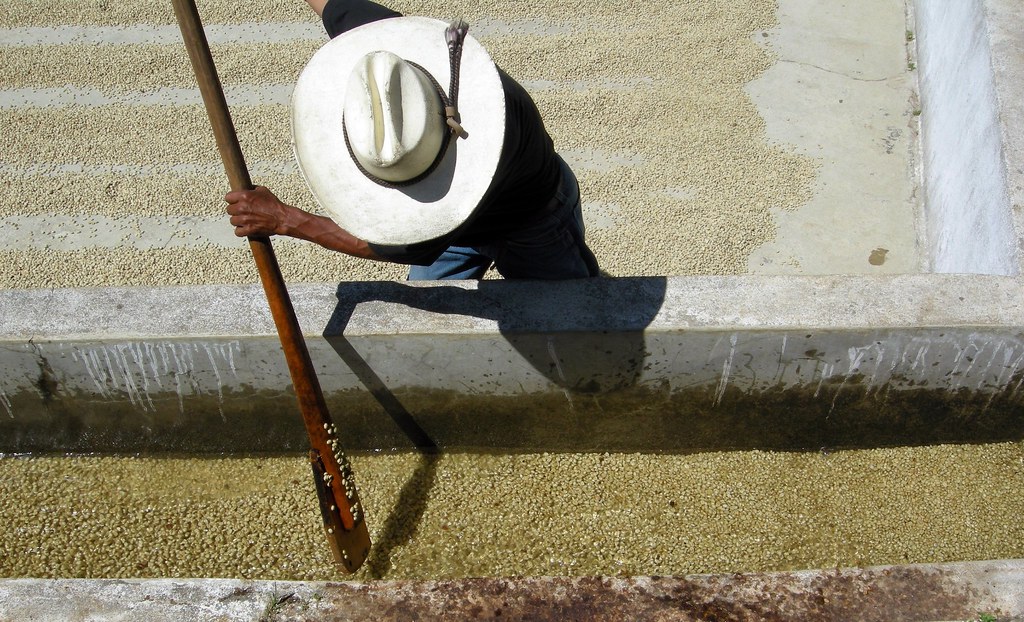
(528, 170)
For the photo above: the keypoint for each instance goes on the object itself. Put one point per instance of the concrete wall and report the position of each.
(970, 226)
(613, 364)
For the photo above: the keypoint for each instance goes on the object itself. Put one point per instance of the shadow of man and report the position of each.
(585, 337)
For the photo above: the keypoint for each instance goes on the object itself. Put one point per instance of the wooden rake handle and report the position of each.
(339, 503)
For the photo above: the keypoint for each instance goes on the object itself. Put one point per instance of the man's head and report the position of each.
(379, 146)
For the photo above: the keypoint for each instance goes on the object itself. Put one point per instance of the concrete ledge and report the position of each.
(610, 364)
(961, 591)
(968, 208)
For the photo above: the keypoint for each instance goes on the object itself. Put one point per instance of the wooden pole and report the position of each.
(339, 502)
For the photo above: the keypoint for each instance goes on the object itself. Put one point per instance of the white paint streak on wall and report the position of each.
(956, 375)
(859, 363)
(141, 395)
(980, 361)
(921, 358)
(896, 361)
(1011, 371)
(137, 358)
(983, 376)
(220, 383)
(136, 369)
(7, 404)
(188, 365)
(227, 352)
(561, 373)
(780, 370)
(726, 370)
(826, 370)
(88, 360)
(103, 358)
(1008, 369)
(176, 373)
(180, 369)
(151, 357)
(1017, 386)
(873, 380)
(856, 358)
(1009, 366)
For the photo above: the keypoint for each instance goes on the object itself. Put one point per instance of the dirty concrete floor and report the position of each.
(709, 138)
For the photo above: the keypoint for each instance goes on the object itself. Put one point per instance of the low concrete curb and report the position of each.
(199, 369)
(624, 364)
(962, 591)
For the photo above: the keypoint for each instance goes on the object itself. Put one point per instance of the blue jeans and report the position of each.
(551, 246)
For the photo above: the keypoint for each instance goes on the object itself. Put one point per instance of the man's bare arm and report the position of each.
(317, 6)
(259, 212)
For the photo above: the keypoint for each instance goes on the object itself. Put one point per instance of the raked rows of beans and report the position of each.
(109, 174)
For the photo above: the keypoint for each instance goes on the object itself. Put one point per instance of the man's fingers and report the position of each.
(249, 215)
(246, 229)
(242, 228)
(247, 224)
(241, 207)
(244, 195)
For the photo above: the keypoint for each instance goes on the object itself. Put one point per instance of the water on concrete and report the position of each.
(469, 515)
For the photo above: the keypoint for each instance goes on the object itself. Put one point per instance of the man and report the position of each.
(450, 182)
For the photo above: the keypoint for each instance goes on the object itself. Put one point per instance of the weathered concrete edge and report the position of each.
(968, 217)
(1005, 23)
(559, 366)
(957, 591)
(972, 145)
(627, 303)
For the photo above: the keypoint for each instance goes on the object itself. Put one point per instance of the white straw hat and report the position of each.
(363, 108)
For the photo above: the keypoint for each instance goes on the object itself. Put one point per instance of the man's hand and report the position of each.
(258, 212)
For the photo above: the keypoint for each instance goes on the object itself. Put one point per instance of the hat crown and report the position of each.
(393, 116)
(425, 207)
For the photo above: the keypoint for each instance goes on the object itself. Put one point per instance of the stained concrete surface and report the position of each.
(927, 592)
(843, 91)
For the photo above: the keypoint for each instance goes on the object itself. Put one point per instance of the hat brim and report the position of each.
(434, 206)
